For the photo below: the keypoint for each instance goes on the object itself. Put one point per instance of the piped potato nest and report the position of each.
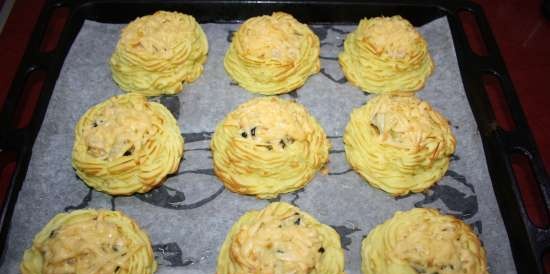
(386, 55)
(126, 145)
(280, 239)
(399, 143)
(268, 146)
(272, 54)
(90, 241)
(157, 53)
(423, 240)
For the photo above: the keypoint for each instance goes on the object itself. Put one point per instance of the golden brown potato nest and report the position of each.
(90, 241)
(386, 55)
(280, 239)
(272, 54)
(126, 145)
(268, 146)
(399, 143)
(423, 241)
(157, 53)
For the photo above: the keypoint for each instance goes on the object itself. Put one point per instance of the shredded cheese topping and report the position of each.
(158, 35)
(392, 36)
(423, 241)
(117, 130)
(281, 45)
(94, 247)
(280, 243)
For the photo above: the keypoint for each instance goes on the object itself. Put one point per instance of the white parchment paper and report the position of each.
(188, 217)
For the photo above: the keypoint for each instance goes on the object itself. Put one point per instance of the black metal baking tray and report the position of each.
(528, 241)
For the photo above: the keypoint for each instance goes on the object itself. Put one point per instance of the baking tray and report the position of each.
(528, 242)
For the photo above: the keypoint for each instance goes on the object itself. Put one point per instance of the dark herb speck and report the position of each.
(129, 151)
(244, 134)
(321, 250)
(253, 131)
(297, 222)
